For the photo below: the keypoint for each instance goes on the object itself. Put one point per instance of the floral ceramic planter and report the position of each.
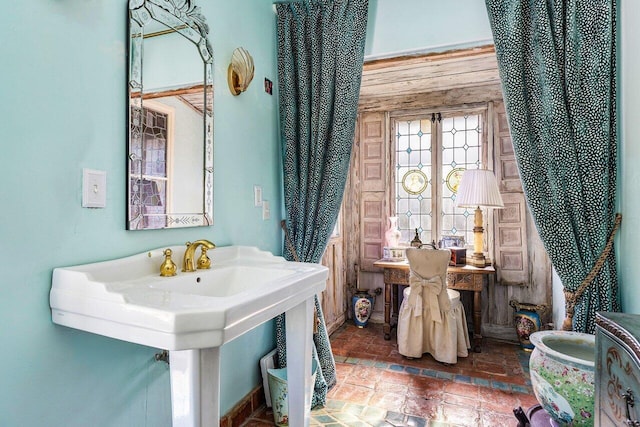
(527, 321)
(562, 375)
(279, 392)
(362, 307)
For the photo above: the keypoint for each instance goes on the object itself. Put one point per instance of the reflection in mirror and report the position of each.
(170, 144)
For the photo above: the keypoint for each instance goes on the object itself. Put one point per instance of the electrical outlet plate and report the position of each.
(266, 210)
(94, 188)
(257, 195)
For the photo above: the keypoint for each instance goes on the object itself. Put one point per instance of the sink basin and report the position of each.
(236, 279)
(127, 299)
(192, 314)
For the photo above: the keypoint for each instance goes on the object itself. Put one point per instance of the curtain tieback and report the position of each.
(432, 286)
(288, 242)
(571, 298)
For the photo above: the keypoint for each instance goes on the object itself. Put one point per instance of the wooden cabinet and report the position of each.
(617, 376)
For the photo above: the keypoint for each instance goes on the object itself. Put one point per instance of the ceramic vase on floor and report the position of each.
(562, 368)
(278, 387)
(527, 321)
(363, 303)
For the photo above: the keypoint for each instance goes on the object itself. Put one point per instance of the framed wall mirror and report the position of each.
(170, 111)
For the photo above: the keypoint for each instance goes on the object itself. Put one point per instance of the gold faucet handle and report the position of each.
(168, 267)
(204, 262)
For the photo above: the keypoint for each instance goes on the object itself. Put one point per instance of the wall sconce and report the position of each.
(240, 72)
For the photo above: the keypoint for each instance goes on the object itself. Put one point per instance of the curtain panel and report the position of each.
(557, 65)
(320, 57)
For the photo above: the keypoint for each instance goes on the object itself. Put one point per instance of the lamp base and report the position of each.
(477, 260)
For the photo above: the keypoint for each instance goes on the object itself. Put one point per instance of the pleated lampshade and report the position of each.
(478, 187)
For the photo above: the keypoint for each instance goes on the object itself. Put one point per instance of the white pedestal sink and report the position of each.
(193, 314)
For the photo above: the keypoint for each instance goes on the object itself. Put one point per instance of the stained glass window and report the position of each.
(430, 156)
(414, 159)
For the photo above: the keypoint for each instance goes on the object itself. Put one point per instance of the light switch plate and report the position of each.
(94, 188)
(266, 210)
(257, 195)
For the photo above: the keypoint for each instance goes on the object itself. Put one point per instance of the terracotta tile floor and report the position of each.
(379, 387)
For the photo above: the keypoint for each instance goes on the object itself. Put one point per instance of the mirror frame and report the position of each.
(185, 18)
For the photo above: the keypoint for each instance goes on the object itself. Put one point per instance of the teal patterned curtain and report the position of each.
(557, 64)
(320, 56)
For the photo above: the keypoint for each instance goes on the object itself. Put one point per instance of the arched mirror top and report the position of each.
(183, 17)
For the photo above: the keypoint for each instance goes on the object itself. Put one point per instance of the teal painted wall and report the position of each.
(63, 108)
(629, 173)
(406, 26)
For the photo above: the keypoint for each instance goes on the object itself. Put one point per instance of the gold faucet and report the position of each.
(203, 262)
(188, 264)
(168, 267)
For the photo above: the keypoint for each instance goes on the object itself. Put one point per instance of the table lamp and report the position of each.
(478, 188)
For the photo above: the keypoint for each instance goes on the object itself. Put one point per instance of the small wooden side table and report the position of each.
(463, 278)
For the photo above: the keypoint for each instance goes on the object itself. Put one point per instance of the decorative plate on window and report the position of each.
(414, 181)
(453, 179)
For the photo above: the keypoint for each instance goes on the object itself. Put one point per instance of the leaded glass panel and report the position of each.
(458, 141)
(148, 170)
(413, 177)
(463, 135)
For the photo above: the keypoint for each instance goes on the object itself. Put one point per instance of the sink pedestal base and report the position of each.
(195, 376)
(195, 387)
(299, 331)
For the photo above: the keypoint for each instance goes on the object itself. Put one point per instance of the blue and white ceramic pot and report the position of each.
(362, 303)
(527, 321)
